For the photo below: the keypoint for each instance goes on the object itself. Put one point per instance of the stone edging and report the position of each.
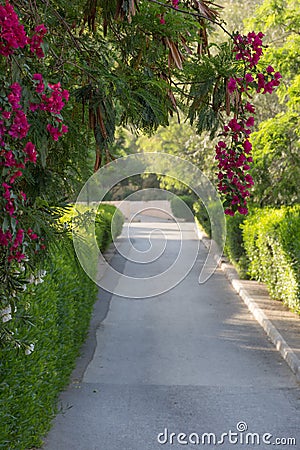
(281, 345)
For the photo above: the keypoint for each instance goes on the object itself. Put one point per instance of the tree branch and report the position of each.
(194, 14)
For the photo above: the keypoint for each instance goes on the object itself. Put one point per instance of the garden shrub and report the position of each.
(212, 223)
(109, 222)
(182, 206)
(56, 318)
(234, 246)
(202, 216)
(272, 243)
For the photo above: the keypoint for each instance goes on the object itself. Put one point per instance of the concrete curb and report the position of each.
(107, 255)
(281, 345)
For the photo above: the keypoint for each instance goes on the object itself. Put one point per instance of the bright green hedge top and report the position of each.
(272, 243)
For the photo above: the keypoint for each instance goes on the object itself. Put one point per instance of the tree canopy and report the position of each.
(276, 144)
(73, 73)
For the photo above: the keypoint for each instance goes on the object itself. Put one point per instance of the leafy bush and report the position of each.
(234, 247)
(56, 317)
(202, 216)
(182, 206)
(272, 243)
(109, 224)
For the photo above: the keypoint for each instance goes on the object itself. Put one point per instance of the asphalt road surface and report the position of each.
(189, 368)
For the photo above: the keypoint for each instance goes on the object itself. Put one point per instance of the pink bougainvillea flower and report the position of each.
(247, 146)
(34, 107)
(229, 212)
(277, 76)
(250, 121)
(40, 87)
(20, 126)
(23, 195)
(260, 82)
(65, 94)
(14, 97)
(5, 238)
(249, 78)
(13, 34)
(10, 208)
(33, 236)
(6, 115)
(37, 39)
(54, 132)
(270, 69)
(234, 125)
(250, 108)
(232, 86)
(16, 175)
(31, 152)
(242, 210)
(10, 160)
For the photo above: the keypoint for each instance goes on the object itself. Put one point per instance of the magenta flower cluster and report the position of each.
(249, 48)
(233, 152)
(36, 40)
(52, 103)
(14, 156)
(16, 151)
(13, 34)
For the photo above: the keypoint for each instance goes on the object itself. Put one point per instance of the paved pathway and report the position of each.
(191, 360)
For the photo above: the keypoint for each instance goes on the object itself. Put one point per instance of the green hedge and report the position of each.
(59, 310)
(182, 206)
(265, 245)
(202, 215)
(109, 224)
(234, 246)
(272, 243)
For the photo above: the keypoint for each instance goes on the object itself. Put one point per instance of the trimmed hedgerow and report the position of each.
(56, 318)
(234, 246)
(272, 243)
(265, 245)
(109, 224)
(202, 216)
(212, 222)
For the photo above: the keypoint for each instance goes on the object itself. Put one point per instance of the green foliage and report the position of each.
(179, 139)
(124, 67)
(276, 144)
(235, 12)
(272, 243)
(60, 309)
(109, 223)
(55, 317)
(202, 216)
(182, 206)
(234, 246)
(208, 87)
(277, 161)
(209, 220)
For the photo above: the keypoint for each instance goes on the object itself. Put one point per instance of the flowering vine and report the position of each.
(233, 152)
(17, 152)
